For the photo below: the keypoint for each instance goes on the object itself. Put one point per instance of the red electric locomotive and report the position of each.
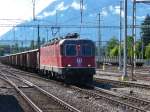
(70, 58)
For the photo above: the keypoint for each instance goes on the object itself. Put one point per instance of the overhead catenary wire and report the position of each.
(72, 26)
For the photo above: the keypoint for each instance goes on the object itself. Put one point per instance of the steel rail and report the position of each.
(98, 96)
(61, 102)
(113, 94)
(122, 96)
(123, 83)
(33, 105)
(104, 97)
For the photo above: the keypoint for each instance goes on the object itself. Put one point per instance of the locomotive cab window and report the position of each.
(70, 50)
(87, 50)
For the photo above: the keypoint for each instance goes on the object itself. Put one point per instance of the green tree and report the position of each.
(146, 31)
(138, 46)
(129, 46)
(114, 51)
(111, 45)
(138, 49)
(147, 51)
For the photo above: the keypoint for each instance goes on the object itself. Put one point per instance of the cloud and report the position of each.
(104, 12)
(61, 7)
(46, 14)
(23, 10)
(41, 4)
(137, 17)
(91, 15)
(116, 10)
(141, 0)
(140, 17)
(49, 13)
(76, 6)
(19, 9)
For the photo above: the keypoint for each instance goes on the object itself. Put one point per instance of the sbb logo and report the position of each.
(79, 61)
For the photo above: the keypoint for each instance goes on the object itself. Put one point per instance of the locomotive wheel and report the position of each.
(51, 75)
(67, 79)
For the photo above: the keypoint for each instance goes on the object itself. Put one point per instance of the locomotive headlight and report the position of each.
(89, 65)
(69, 65)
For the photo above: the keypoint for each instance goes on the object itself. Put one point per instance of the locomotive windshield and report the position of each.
(70, 50)
(79, 50)
(86, 50)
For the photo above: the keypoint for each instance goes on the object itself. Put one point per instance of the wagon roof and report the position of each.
(22, 52)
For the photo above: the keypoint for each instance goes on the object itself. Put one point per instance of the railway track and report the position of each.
(121, 101)
(138, 70)
(131, 100)
(101, 80)
(39, 99)
(119, 73)
(123, 83)
(128, 103)
(84, 102)
(88, 106)
(145, 77)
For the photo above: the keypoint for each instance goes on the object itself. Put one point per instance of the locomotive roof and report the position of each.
(69, 36)
(61, 41)
(76, 39)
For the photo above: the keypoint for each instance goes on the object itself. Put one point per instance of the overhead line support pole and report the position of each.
(81, 10)
(125, 76)
(38, 43)
(134, 40)
(33, 2)
(81, 13)
(99, 36)
(120, 38)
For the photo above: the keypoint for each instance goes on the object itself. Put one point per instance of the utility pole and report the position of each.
(47, 34)
(81, 14)
(134, 11)
(134, 28)
(142, 46)
(14, 33)
(134, 40)
(56, 19)
(120, 39)
(38, 40)
(22, 46)
(81, 10)
(99, 36)
(38, 44)
(55, 29)
(33, 2)
(125, 75)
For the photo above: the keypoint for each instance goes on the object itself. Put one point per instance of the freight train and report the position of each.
(71, 59)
